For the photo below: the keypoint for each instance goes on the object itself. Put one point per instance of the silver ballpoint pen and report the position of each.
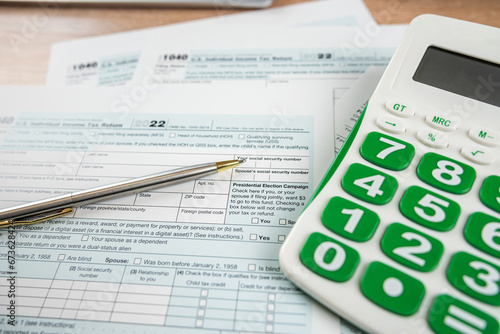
(47, 209)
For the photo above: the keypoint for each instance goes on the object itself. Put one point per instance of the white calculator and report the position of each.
(403, 234)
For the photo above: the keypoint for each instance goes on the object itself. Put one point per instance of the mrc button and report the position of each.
(399, 108)
(441, 122)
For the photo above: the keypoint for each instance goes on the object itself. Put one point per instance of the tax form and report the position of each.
(197, 257)
(113, 59)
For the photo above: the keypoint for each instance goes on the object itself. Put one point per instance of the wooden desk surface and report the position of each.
(26, 32)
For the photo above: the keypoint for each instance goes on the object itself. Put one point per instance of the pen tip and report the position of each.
(242, 160)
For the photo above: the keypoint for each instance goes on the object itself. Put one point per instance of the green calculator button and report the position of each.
(450, 315)
(329, 258)
(411, 248)
(350, 220)
(369, 184)
(490, 192)
(483, 232)
(475, 277)
(429, 209)
(445, 173)
(392, 289)
(386, 151)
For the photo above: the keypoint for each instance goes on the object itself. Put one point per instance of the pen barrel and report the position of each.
(123, 188)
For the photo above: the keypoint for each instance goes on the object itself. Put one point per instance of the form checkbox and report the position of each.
(271, 297)
(270, 317)
(253, 236)
(85, 237)
(281, 238)
(251, 267)
(137, 260)
(270, 307)
(241, 136)
(61, 257)
(172, 135)
(255, 220)
(201, 313)
(282, 221)
(204, 293)
(203, 302)
(269, 328)
(199, 323)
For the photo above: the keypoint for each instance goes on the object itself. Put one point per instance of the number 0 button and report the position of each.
(391, 289)
(329, 258)
(445, 173)
(369, 184)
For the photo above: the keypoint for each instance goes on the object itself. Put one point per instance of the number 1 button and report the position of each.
(386, 151)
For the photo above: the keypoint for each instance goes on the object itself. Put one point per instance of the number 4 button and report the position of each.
(369, 184)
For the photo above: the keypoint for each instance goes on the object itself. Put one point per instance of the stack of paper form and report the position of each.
(201, 256)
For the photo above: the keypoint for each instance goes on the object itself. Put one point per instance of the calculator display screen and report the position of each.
(460, 74)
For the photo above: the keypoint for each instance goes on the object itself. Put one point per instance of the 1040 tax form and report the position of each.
(197, 257)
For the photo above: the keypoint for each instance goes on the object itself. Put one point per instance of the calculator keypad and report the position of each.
(429, 209)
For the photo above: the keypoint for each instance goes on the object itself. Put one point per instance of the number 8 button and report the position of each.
(445, 173)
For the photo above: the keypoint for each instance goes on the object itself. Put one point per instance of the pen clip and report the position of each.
(35, 219)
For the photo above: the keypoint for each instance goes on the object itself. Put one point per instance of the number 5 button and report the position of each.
(386, 151)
